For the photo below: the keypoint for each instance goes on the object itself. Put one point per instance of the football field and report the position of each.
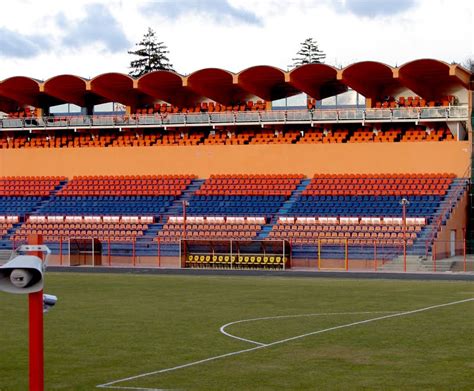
(164, 332)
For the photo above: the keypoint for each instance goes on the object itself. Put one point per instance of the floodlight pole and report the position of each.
(36, 335)
(404, 202)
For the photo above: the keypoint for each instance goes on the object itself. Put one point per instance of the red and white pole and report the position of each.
(36, 335)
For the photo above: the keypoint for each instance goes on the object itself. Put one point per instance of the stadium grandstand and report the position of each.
(367, 165)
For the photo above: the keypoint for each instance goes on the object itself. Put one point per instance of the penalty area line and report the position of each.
(282, 341)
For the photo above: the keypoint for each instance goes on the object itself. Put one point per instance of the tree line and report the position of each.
(152, 55)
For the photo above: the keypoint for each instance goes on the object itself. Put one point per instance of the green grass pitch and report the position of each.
(108, 327)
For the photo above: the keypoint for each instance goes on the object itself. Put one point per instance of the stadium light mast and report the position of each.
(404, 203)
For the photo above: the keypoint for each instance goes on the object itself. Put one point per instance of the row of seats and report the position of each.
(26, 112)
(109, 138)
(235, 261)
(250, 185)
(5, 227)
(18, 205)
(234, 195)
(414, 101)
(56, 231)
(235, 205)
(28, 186)
(61, 205)
(400, 185)
(203, 107)
(126, 186)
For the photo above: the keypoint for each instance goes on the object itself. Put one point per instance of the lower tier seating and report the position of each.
(363, 206)
(210, 228)
(107, 205)
(57, 228)
(350, 230)
(228, 205)
(18, 205)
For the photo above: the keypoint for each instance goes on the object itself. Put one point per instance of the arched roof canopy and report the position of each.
(21, 89)
(317, 80)
(169, 87)
(115, 87)
(67, 88)
(219, 85)
(266, 82)
(372, 79)
(433, 79)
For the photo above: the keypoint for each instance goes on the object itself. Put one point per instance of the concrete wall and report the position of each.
(417, 157)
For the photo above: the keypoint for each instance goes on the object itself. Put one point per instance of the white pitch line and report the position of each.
(110, 384)
(222, 329)
(135, 388)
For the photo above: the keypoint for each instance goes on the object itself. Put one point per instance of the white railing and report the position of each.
(245, 117)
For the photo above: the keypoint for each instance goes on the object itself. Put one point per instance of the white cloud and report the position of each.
(253, 33)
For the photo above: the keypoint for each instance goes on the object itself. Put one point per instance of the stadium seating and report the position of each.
(103, 228)
(242, 195)
(215, 228)
(190, 136)
(420, 134)
(6, 224)
(330, 210)
(117, 195)
(21, 195)
(414, 101)
(350, 230)
(371, 195)
(203, 107)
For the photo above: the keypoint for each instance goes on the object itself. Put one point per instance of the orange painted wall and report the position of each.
(457, 221)
(203, 161)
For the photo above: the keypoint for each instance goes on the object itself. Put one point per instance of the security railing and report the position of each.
(236, 118)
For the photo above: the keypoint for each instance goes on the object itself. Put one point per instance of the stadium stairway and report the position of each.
(444, 209)
(146, 244)
(265, 231)
(4, 256)
(417, 264)
(44, 201)
(5, 242)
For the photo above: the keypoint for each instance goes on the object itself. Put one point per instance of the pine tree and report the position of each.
(152, 55)
(309, 53)
(469, 64)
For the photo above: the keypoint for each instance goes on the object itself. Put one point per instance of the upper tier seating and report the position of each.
(203, 107)
(421, 134)
(414, 101)
(232, 136)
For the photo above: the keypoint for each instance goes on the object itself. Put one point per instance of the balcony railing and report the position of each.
(247, 117)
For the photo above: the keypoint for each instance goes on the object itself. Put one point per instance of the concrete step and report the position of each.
(5, 256)
(418, 264)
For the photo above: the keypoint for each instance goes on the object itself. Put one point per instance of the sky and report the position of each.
(46, 38)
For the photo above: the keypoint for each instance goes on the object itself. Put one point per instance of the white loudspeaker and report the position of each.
(23, 274)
